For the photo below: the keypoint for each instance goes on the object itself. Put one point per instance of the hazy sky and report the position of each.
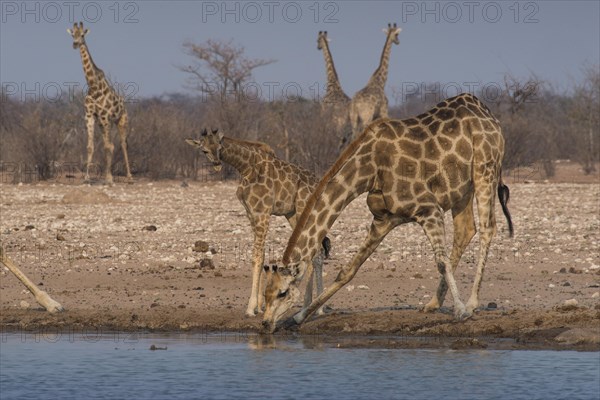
(462, 43)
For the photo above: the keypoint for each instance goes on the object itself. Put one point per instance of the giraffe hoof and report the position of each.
(250, 313)
(430, 308)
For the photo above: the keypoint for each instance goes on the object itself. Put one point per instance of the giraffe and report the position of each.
(41, 296)
(268, 186)
(335, 103)
(413, 170)
(370, 102)
(102, 104)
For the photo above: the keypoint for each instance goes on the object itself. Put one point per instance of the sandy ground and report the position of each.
(123, 258)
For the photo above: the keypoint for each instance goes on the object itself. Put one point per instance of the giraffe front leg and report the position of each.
(318, 277)
(379, 229)
(260, 225)
(123, 125)
(90, 122)
(108, 152)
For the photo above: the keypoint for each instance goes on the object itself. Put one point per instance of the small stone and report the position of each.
(24, 305)
(150, 228)
(418, 276)
(207, 263)
(350, 288)
(563, 270)
(492, 305)
(60, 216)
(572, 270)
(567, 284)
(29, 227)
(551, 285)
(362, 287)
(60, 237)
(201, 246)
(184, 184)
(218, 274)
(571, 303)
(597, 294)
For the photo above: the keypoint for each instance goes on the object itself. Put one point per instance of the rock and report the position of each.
(86, 196)
(569, 305)
(563, 270)
(184, 184)
(24, 305)
(60, 237)
(467, 343)
(150, 228)
(206, 263)
(570, 302)
(350, 288)
(572, 270)
(201, 246)
(492, 305)
(597, 294)
(29, 227)
(362, 287)
(567, 284)
(218, 274)
(153, 348)
(578, 336)
(418, 276)
(60, 216)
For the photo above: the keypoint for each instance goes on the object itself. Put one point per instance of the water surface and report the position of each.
(122, 366)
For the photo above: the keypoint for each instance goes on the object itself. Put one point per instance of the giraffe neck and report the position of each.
(239, 155)
(379, 77)
(92, 73)
(333, 82)
(340, 185)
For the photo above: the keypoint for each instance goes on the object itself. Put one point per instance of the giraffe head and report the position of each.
(211, 144)
(78, 33)
(281, 292)
(393, 31)
(321, 39)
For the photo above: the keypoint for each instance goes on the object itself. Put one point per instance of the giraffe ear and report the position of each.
(266, 268)
(86, 31)
(204, 132)
(192, 142)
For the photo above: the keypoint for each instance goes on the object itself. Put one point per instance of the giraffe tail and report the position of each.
(504, 196)
(326, 243)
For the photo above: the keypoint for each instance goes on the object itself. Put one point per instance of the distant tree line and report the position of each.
(540, 123)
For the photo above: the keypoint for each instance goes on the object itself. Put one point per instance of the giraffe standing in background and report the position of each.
(413, 170)
(102, 104)
(370, 102)
(268, 186)
(335, 103)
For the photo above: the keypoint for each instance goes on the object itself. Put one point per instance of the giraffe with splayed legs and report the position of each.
(102, 104)
(336, 103)
(413, 170)
(268, 186)
(370, 102)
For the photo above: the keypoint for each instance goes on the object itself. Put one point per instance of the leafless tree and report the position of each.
(585, 117)
(219, 68)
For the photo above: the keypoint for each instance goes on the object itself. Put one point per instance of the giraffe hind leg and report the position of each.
(485, 194)
(109, 148)
(432, 222)
(123, 125)
(464, 230)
